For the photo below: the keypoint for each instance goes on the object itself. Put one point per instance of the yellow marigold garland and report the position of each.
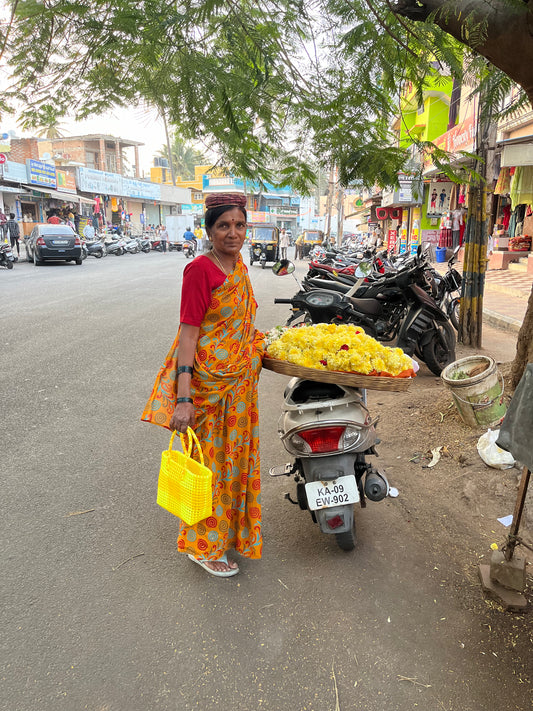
(332, 347)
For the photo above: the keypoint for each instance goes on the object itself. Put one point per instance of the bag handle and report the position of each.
(187, 448)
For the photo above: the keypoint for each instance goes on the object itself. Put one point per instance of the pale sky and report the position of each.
(134, 124)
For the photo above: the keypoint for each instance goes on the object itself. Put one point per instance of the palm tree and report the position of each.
(184, 156)
(48, 124)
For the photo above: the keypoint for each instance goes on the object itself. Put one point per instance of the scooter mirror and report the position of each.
(363, 270)
(284, 266)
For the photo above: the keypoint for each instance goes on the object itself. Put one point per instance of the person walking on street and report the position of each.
(284, 242)
(300, 246)
(14, 232)
(199, 236)
(209, 382)
(163, 236)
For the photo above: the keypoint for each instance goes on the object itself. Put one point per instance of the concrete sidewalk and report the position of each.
(505, 299)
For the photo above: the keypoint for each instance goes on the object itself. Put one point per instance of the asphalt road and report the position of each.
(101, 613)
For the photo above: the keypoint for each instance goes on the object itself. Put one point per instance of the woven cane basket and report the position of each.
(353, 380)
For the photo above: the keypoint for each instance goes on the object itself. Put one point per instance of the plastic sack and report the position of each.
(491, 454)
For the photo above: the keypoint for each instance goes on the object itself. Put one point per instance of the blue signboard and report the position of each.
(41, 174)
(15, 172)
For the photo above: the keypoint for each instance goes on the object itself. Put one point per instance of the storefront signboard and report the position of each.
(15, 172)
(391, 240)
(140, 189)
(41, 174)
(65, 182)
(459, 138)
(99, 182)
(192, 209)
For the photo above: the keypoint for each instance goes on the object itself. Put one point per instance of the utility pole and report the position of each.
(329, 201)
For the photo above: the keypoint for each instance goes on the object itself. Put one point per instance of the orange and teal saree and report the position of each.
(224, 391)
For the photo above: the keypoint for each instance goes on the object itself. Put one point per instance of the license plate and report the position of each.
(325, 494)
(60, 241)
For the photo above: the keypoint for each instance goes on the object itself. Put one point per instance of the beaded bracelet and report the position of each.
(184, 399)
(184, 369)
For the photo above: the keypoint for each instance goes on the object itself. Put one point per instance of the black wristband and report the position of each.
(184, 369)
(184, 399)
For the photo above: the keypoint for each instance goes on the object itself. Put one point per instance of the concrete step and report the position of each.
(519, 267)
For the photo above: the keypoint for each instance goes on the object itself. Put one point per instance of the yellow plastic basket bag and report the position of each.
(184, 486)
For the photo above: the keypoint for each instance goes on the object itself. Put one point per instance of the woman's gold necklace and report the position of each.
(220, 263)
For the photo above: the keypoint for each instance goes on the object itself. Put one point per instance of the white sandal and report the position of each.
(218, 573)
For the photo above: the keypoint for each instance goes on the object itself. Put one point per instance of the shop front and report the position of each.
(513, 205)
(399, 215)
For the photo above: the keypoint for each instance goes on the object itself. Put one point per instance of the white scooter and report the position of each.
(328, 430)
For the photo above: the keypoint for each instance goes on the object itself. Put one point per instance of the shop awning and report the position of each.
(60, 195)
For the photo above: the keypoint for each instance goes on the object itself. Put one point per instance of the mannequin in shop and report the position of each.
(457, 222)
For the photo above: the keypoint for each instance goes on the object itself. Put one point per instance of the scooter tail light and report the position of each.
(335, 521)
(323, 439)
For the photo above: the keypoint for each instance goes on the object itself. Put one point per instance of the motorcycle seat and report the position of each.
(372, 307)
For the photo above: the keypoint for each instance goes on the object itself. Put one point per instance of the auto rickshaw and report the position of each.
(264, 244)
(312, 238)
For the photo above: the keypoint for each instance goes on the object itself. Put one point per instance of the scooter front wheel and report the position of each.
(346, 539)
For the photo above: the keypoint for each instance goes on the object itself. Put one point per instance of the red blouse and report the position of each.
(200, 277)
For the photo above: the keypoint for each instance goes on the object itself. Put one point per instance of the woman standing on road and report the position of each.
(209, 382)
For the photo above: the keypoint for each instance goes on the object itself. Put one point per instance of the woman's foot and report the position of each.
(222, 568)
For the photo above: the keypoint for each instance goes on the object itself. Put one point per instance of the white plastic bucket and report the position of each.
(478, 396)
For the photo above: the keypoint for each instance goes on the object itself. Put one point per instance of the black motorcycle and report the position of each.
(7, 258)
(446, 289)
(395, 308)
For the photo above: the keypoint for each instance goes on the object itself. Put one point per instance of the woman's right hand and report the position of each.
(183, 417)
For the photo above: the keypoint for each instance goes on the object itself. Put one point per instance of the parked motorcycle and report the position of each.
(144, 244)
(7, 258)
(448, 290)
(115, 247)
(329, 431)
(393, 308)
(131, 246)
(93, 249)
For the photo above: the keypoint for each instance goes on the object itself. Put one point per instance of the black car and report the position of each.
(54, 243)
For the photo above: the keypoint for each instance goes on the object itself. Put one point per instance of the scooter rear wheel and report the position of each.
(346, 540)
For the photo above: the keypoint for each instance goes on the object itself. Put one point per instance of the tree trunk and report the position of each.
(506, 41)
(524, 344)
(475, 262)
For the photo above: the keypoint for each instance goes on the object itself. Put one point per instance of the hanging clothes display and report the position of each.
(522, 186)
(503, 184)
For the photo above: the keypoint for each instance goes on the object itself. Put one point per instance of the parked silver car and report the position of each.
(54, 243)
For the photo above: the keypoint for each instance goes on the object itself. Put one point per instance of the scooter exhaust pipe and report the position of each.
(376, 485)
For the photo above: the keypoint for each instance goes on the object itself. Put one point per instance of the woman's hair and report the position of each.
(212, 215)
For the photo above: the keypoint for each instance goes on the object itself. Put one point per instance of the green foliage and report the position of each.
(277, 89)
